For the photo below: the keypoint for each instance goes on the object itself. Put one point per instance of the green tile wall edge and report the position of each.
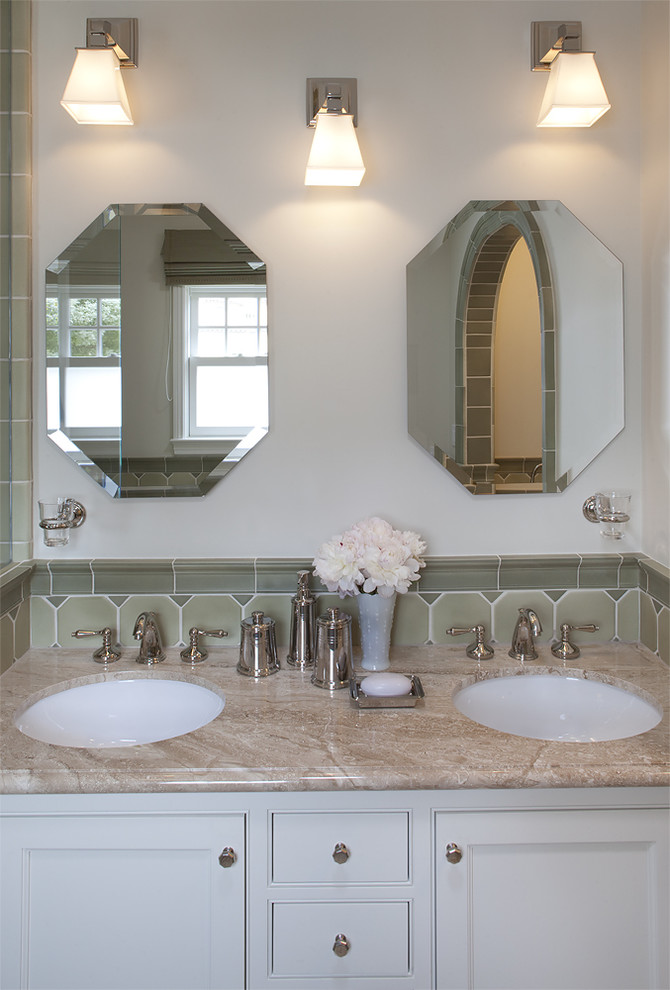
(486, 577)
(258, 575)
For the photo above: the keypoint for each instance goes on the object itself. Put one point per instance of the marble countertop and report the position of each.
(282, 733)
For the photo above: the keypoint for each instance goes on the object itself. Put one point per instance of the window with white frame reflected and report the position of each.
(221, 361)
(83, 349)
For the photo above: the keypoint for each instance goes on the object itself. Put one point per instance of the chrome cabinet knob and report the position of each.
(341, 945)
(340, 853)
(453, 853)
(228, 857)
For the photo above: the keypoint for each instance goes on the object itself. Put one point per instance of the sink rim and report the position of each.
(108, 676)
(575, 673)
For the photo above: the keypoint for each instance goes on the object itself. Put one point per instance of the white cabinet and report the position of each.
(325, 891)
(340, 895)
(547, 899)
(123, 902)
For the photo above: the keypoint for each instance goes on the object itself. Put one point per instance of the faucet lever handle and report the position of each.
(479, 650)
(564, 649)
(195, 653)
(105, 654)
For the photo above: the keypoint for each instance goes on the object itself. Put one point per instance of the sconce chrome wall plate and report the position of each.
(545, 36)
(119, 33)
(318, 91)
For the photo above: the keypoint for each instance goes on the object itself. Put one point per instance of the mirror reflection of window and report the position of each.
(83, 344)
(221, 360)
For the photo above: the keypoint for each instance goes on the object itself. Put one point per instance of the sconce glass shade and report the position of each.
(575, 95)
(95, 93)
(335, 158)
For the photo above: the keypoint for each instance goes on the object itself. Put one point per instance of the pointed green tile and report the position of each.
(242, 599)
(461, 610)
(85, 612)
(213, 612)
(411, 621)
(555, 595)
(42, 622)
(664, 634)
(22, 630)
(277, 607)
(584, 607)
(648, 624)
(6, 643)
(167, 618)
(628, 616)
(506, 611)
(616, 593)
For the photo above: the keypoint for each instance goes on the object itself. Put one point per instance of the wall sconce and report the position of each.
(575, 95)
(57, 517)
(95, 93)
(611, 509)
(335, 158)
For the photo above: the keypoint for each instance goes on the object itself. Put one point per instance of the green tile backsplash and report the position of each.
(458, 591)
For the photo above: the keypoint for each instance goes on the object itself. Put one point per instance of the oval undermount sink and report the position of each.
(557, 707)
(120, 712)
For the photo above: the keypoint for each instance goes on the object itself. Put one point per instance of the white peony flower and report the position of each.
(370, 558)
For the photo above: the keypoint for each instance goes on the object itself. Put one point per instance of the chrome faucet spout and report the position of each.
(146, 631)
(527, 627)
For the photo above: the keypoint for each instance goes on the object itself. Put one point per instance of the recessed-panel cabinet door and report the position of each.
(123, 902)
(542, 900)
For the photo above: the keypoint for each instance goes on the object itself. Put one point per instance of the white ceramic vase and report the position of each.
(375, 616)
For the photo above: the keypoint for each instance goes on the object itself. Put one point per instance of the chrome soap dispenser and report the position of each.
(302, 641)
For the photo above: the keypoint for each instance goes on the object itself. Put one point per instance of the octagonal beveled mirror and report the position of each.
(515, 347)
(157, 354)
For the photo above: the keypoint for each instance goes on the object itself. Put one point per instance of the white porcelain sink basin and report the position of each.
(557, 707)
(120, 712)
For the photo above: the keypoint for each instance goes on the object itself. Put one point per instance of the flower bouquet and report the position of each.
(373, 561)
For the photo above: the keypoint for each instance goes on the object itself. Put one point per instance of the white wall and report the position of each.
(656, 281)
(447, 110)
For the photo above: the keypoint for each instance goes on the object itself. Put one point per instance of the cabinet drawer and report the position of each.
(377, 937)
(376, 847)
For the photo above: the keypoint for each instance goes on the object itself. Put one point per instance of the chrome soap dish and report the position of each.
(364, 700)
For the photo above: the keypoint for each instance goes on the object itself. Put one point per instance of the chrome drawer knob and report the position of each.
(453, 853)
(341, 946)
(228, 857)
(340, 853)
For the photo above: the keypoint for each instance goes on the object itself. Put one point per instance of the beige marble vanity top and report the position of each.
(282, 733)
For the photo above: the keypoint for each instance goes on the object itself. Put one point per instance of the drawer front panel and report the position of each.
(376, 847)
(377, 935)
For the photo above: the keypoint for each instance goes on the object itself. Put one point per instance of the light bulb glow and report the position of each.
(575, 95)
(335, 158)
(95, 93)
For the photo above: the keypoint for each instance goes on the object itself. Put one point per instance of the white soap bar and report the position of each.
(385, 685)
